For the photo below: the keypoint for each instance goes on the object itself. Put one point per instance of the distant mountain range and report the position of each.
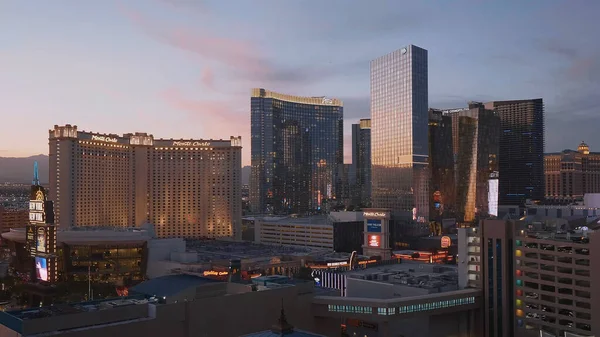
(20, 170)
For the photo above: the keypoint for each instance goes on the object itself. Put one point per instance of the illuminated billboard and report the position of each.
(445, 242)
(41, 244)
(41, 268)
(374, 225)
(493, 197)
(375, 241)
(30, 239)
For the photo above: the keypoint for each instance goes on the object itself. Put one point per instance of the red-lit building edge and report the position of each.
(438, 257)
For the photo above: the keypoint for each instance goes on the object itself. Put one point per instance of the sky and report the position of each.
(185, 68)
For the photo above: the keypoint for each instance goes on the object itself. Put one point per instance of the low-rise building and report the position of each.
(11, 217)
(213, 257)
(337, 231)
(571, 174)
(537, 278)
(175, 306)
(104, 254)
(406, 299)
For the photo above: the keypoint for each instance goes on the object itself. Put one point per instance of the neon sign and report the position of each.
(367, 262)
(104, 139)
(215, 273)
(178, 143)
(375, 214)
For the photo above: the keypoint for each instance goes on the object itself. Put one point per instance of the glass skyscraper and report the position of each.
(361, 163)
(441, 164)
(475, 141)
(399, 141)
(521, 157)
(297, 146)
(463, 160)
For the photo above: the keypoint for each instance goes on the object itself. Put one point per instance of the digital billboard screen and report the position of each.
(374, 225)
(493, 197)
(374, 241)
(41, 268)
(41, 240)
(445, 242)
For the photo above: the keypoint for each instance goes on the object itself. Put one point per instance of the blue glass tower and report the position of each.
(297, 146)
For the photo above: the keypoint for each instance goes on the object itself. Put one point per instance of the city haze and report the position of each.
(184, 68)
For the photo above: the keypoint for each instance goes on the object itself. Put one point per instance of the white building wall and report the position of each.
(294, 234)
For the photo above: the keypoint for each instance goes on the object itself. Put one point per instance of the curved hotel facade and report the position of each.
(186, 188)
(297, 146)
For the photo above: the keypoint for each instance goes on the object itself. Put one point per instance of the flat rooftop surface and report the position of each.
(410, 274)
(170, 285)
(307, 220)
(214, 249)
(295, 333)
(71, 308)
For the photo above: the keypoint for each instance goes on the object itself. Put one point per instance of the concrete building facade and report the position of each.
(311, 232)
(572, 174)
(13, 218)
(537, 280)
(197, 308)
(186, 188)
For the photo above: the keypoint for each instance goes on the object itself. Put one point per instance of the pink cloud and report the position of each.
(198, 5)
(583, 68)
(219, 119)
(238, 55)
(208, 78)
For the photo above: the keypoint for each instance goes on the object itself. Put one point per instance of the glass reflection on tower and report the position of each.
(469, 136)
(442, 187)
(477, 138)
(297, 146)
(360, 169)
(399, 133)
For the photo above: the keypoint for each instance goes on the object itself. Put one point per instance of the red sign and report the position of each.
(374, 241)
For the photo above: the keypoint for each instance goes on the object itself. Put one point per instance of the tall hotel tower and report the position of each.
(297, 146)
(399, 141)
(186, 188)
(360, 169)
(521, 155)
(464, 163)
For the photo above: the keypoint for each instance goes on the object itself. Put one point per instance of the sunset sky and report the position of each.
(184, 68)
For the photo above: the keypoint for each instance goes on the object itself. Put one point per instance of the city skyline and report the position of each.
(185, 68)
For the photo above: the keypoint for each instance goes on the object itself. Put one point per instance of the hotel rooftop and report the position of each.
(430, 278)
(209, 250)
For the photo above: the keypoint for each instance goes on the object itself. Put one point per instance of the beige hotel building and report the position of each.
(186, 188)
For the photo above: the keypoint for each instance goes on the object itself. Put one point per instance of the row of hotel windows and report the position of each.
(96, 145)
(404, 309)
